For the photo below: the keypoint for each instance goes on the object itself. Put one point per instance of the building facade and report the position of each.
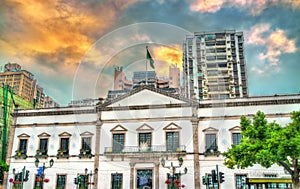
(214, 65)
(123, 141)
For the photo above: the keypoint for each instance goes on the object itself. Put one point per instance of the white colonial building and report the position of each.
(121, 143)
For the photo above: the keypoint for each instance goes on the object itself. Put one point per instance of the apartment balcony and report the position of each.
(20, 154)
(62, 154)
(85, 153)
(136, 150)
(41, 154)
(212, 151)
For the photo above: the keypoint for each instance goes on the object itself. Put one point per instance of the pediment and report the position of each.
(23, 135)
(172, 126)
(86, 134)
(235, 129)
(44, 135)
(118, 128)
(146, 96)
(210, 129)
(65, 134)
(144, 127)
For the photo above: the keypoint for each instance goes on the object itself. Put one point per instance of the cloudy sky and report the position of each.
(73, 46)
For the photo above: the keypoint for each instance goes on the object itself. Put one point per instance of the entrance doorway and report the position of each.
(144, 178)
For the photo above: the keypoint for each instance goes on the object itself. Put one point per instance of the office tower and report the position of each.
(214, 65)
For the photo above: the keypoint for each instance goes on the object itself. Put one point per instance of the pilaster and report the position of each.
(195, 123)
(97, 150)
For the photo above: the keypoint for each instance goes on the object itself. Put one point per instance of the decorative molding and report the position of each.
(133, 120)
(236, 129)
(144, 127)
(86, 134)
(52, 112)
(252, 102)
(64, 134)
(143, 107)
(144, 87)
(23, 135)
(210, 130)
(172, 126)
(118, 128)
(57, 124)
(44, 135)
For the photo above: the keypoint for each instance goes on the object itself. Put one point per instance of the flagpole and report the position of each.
(146, 66)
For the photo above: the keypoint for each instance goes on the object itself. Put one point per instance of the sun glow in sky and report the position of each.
(52, 38)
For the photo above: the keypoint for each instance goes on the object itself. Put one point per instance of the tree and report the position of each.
(267, 144)
(3, 168)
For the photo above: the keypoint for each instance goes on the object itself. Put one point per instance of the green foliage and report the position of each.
(267, 144)
(3, 168)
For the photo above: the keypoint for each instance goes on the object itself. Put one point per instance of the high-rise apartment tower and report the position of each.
(214, 65)
(24, 85)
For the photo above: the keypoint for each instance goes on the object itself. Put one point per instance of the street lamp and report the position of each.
(36, 162)
(173, 172)
(90, 176)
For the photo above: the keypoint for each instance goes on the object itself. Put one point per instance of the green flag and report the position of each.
(149, 57)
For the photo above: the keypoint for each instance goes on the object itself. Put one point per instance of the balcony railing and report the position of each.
(20, 154)
(41, 154)
(62, 154)
(85, 153)
(212, 151)
(150, 149)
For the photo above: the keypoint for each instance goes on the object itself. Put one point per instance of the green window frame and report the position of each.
(23, 145)
(239, 180)
(172, 141)
(86, 143)
(118, 142)
(61, 181)
(236, 138)
(116, 180)
(43, 146)
(145, 138)
(211, 141)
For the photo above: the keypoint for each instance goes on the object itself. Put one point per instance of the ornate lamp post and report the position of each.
(172, 168)
(90, 176)
(51, 162)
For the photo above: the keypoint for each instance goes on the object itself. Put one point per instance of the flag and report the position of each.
(149, 57)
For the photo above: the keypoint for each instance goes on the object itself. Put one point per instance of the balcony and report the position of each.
(41, 154)
(20, 154)
(62, 154)
(142, 150)
(212, 151)
(85, 153)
